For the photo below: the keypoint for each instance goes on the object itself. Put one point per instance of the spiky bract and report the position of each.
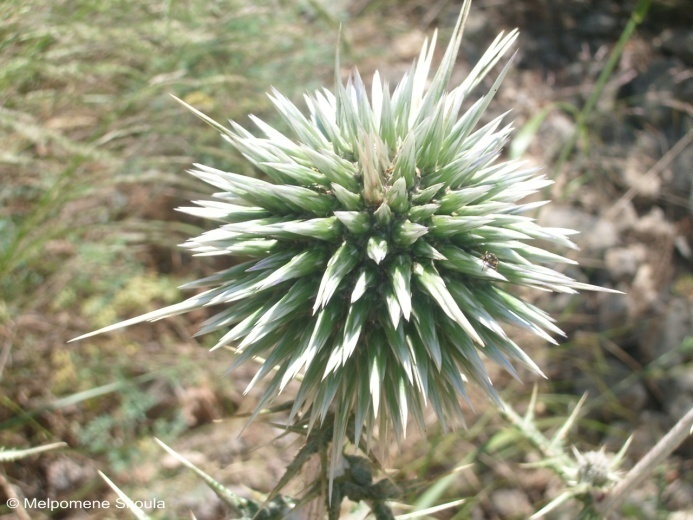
(365, 253)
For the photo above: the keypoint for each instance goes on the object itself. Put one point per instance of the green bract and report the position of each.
(364, 255)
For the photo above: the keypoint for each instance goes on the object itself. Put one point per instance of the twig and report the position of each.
(10, 492)
(647, 464)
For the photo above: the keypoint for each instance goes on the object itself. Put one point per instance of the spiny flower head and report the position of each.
(377, 259)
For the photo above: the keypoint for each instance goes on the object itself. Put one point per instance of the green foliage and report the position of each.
(114, 433)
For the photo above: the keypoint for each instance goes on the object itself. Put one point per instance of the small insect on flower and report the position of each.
(489, 260)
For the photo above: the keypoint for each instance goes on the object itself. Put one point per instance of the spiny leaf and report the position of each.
(238, 504)
(399, 273)
(434, 285)
(12, 455)
(405, 232)
(357, 222)
(365, 279)
(342, 262)
(396, 196)
(383, 215)
(349, 200)
(425, 322)
(300, 265)
(132, 507)
(377, 248)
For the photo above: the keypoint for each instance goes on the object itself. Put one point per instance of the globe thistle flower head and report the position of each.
(378, 255)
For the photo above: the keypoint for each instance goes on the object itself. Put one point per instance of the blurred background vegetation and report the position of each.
(92, 164)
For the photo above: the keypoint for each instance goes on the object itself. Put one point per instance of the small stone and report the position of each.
(199, 406)
(636, 176)
(408, 45)
(511, 503)
(596, 234)
(603, 236)
(623, 262)
(655, 225)
(643, 297)
(65, 474)
(625, 217)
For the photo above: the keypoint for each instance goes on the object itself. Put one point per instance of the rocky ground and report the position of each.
(629, 191)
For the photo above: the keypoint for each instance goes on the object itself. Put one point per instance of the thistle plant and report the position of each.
(585, 475)
(377, 262)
